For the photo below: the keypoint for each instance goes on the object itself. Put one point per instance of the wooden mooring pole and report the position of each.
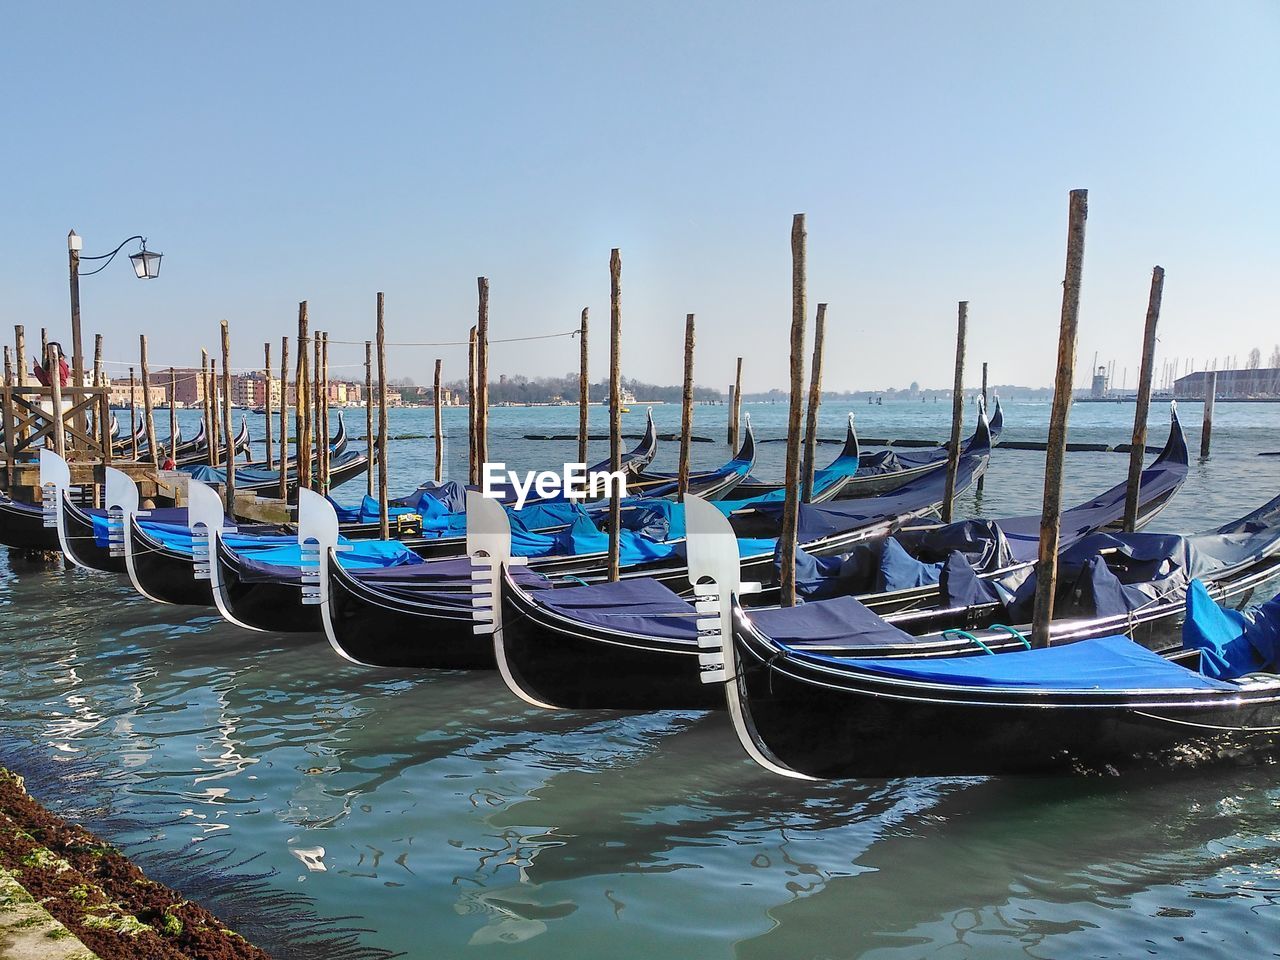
(319, 430)
(153, 452)
(815, 401)
(102, 415)
(268, 453)
(791, 508)
(302, 387)
(214, 415)
(982, 479)
(206, 395)
(1051, 515)
(735, 407)
(1210, 394)
(615, 409)
(482, 374)
(584, 388)
(686, 410)
(283, 488)
(368, 414)
(133, 418)
(384, 528)
(439, 426)
(1138, 446)
(326, 452)
(957, 415)
(229, 434)
(53, 369)
(473, 475)
(173, 416)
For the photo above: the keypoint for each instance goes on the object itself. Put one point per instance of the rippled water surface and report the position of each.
(449, 820)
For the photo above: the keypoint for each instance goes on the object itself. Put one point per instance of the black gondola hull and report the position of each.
(376, 629)
(164, 575)
(22, 527)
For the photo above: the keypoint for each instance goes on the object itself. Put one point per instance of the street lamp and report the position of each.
(146, 265)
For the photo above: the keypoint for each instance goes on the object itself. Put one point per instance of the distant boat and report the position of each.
(260, 410)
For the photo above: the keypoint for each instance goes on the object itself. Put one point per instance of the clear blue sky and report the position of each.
(276, 152)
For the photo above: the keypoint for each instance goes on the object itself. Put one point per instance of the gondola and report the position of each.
(1100, 704)
(632, 644)
(22, 526)
(344, 465)
(889, 469)
(397, 617)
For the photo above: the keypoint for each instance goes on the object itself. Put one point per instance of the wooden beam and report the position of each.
(686, 410)
(482, 374)
(791, 507)
(268, 453)
(1051, 514)
(584, 388)
(229, 435)
(384, 529)
(283, 488)
(439, 427)
(815, 401)
(368, 414)
(1138, 446)
(957, 415)
(1210, 394)
(147, 412)
(615, 409)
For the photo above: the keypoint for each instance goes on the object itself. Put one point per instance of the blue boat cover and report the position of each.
(1114, 664)
(901, 571)
(634, 606)
(1231, 642)
(840, 620)
(960, 586)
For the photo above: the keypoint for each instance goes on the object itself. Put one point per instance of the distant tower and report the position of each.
(1099, 389)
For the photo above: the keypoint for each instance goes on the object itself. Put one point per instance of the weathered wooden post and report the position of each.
(102, 413)
(686, 410)
(735, 409)
(153, 450)
(1138, 446)
(384, 529)
(20, 357)
(53, 369)
(77, 347)
(319, 430)
(215, 414)
(325, 450)
(173, 416)
(791, 508)
(206, 406)
(815, 401)
(1051, 516)
(133, 418)
(368, 414)
(439, 430)
(283, 489)
(1210, 394)
(730, 432)
(584, 389)
(473, 474)
(957, 415)
(482, 374)
(982, 479)
(615, 410)
(266, 409)
(302, 420)
(229, 434)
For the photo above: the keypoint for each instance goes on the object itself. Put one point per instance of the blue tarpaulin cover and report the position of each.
(840, 620)
(1105, 664)
(1231, 642)
(635, 606)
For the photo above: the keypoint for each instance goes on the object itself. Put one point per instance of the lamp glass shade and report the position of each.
(146, 264)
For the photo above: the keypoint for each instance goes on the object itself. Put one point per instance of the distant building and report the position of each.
(1232, 384)
(1100, 385)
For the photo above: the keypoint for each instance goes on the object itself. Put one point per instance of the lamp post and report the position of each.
(146, 266)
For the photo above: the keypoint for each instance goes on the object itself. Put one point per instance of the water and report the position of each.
(452, 821)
